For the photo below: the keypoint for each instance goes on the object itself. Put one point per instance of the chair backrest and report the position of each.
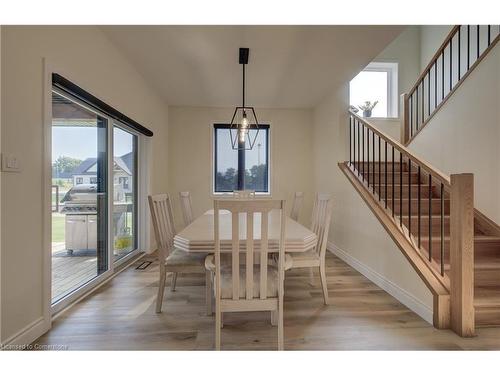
(244, 194)
(321, 216)
(186, 207)
(163, 223)
(297, 204)
(247, 211)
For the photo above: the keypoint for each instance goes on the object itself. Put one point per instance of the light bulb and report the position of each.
(244, 121)
(241, 135)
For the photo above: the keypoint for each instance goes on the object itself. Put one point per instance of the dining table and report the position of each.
(199, 235)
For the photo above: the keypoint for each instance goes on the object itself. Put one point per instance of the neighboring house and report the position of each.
(86, 172)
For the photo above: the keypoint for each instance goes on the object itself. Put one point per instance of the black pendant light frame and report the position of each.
(237, 142)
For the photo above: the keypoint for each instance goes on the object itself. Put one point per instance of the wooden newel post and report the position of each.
(405, 121)
(462, 254)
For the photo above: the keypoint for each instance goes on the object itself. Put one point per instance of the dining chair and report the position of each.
(244, 194)
(186, 207)
(321, 217)
(256, 285)
(171, 259)
(297, 204)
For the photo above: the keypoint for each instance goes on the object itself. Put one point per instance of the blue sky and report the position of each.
(81, 142)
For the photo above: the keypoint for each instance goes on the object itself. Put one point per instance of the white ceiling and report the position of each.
(289, 66)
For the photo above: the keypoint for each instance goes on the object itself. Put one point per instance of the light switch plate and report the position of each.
(10, 163)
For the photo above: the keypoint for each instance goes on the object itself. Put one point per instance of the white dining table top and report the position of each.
(199, 235)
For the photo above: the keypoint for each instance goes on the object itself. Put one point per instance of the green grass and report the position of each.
(57, 227)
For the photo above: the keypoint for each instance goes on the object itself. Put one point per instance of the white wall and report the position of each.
(355, 230)
(464, 134)
(190, 168)
(85, 56)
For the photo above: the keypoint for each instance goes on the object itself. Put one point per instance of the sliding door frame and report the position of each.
(142, 185)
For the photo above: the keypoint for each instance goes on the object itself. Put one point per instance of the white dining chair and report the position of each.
(298, 198)
(186, 207)
(244, 194)
(256, 285)
(321, 217)
(171, 259)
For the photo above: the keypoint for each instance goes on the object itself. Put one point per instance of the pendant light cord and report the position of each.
(244, 87)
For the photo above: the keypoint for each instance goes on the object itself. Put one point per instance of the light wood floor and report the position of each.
(362, 316)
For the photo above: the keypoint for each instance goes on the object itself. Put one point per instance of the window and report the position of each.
(241, 169)
(79, 180)
(93, 180)
(377, 82)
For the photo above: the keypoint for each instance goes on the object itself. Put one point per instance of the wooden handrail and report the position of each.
(441, 48)
(416, 114)
(443, 178)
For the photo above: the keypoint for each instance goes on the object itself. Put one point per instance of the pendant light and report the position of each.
(244, 125)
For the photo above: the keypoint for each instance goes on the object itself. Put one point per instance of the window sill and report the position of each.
(382, 118)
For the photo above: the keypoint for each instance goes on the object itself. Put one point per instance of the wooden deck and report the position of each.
(121, 315)
(68, 273)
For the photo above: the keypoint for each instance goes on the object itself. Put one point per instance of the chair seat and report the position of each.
(226, 282)
(181, 258)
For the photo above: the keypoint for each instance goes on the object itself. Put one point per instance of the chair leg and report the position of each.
(274, 318)
(322, 274)
(174, 281)
(208, 292)
(161, 288)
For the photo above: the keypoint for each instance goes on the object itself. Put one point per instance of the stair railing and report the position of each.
(462, 50)
(389, 171)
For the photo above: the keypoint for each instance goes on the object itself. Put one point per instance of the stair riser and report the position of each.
(424, 207)
(375, 166)
(424, 191)
(406, 177)
(424, 226)
(487, 317)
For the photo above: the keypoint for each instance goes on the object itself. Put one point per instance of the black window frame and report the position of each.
(241, 161)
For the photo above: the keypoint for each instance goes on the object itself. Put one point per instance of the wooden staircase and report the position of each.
(415, 207)
(486, 236)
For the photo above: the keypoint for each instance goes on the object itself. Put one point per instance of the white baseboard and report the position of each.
(407, 299)
(23, 338)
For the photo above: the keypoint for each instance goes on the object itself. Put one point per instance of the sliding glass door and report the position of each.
(79, 196)
(124, 191)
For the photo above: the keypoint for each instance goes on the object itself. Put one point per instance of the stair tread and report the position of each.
(487, 299)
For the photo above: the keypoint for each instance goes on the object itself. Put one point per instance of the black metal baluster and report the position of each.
(400, 189)
(363, 144)
(409, 196)
(350, 141)
(368, 154)
(418, 209)
(477, 41)
(359, 148)
(442, 230)
(379, 161)
(430, 217)
(392, 191)
(373, 167)
(385, 172)
(489, 35)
